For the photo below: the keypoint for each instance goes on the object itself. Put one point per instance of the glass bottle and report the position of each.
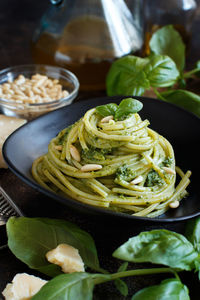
(179, 13)
(85, 36)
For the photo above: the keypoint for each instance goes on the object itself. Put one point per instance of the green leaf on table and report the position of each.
(193, 235)
(126, 77)
(107, 109)
(126, 107)
(161, 71)
(193, 232)
(121, 286)
(188, 100)
(168, 41)
(159, 247)
(169, 289)
(31, 238)
(123, 267)
(197, 68)
(119, 283)
(67, 286)
(195, 71)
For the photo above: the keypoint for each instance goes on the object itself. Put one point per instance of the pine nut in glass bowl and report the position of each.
(28, 91)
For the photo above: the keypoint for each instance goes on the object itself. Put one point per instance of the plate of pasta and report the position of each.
(134, 158)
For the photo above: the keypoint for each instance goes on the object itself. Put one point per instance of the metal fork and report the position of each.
(7, 209)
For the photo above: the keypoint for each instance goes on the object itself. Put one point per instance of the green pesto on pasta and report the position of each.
(110, 158)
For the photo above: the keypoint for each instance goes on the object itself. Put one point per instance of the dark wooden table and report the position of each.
(17, 22)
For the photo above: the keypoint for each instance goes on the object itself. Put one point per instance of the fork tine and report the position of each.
(7, 206)
(7, 209)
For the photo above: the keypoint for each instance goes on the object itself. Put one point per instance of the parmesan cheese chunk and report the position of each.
(7, 126)
(67, 257)
(23, 287)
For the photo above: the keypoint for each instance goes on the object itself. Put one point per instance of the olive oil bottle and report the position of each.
(86, 36)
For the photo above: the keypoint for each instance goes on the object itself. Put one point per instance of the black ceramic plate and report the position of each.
(181, 128)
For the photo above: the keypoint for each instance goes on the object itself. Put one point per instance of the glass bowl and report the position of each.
(30, 111)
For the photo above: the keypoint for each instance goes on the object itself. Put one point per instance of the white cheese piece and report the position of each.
(23, 287)
(67, 257)
(7, 126)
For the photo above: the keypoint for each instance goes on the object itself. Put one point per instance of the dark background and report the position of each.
(18, 20)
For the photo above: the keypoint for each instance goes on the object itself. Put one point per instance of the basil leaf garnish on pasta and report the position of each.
(107, 109)
(127, 106)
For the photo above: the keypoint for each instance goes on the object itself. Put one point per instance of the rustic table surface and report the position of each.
(17, 22)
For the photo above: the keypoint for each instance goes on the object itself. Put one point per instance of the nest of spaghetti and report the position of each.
(117, 163)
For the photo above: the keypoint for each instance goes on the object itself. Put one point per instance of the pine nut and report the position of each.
(32, 87)
(90, 167)
(137, 180)
(174, 204)
(106, 119)
(169, 170)
(75, 153)
(58, 147)
(111, 122)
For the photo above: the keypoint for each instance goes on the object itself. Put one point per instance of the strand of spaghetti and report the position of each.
(67, 184)
(146, 211)
(102, 186)
(35, 173)
(95, 187)
(150, 197)
(180, 172)
(129, 208)
(72, 137)
(74, 195)
(179, 189)
(81, 136)
(96, 132)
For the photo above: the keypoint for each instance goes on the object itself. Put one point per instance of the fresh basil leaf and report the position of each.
(167, 41)
(123, 267)
(188, 100)
(182, 83)
(121, 286)
(126, 107)
(197, 266)
(31, 238)
(168, 289)
(198, 68)
(193, 233)
(126, 77)
(67, 286)
(159, 247)
(161, 71)
(107, 109)
(119, 283)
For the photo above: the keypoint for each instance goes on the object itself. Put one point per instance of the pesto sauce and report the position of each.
(63, 134)
(153, 178)
(95, 154)
(124, 173)
(167, 162)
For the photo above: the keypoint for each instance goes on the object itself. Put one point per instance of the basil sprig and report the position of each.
(119, 112)
(163, 68)
(30, 238)
(159, 247)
